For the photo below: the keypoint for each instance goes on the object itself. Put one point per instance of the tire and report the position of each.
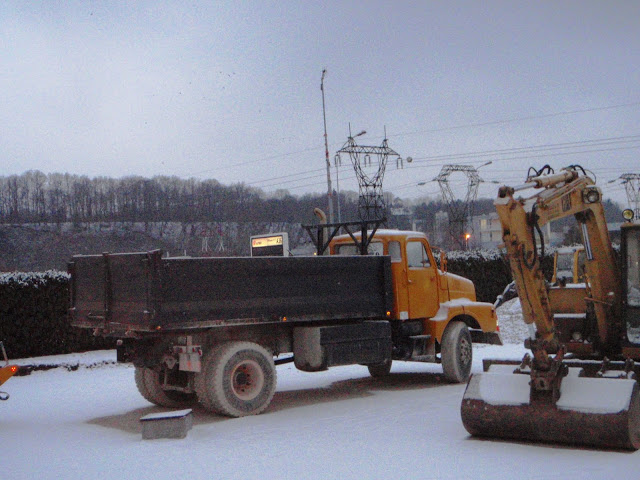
(457, 352)
(202, 385)
(380, 369)
(150, 387)
(238, 379)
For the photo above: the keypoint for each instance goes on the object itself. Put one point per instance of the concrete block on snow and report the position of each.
(174, 424)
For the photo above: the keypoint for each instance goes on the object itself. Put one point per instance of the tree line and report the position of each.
(35, 197)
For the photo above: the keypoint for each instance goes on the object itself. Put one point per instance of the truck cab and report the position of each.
(427, 298)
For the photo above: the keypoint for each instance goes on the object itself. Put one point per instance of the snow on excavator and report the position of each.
(587, 392)
(6, 372)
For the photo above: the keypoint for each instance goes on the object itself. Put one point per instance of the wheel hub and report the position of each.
(247, 380)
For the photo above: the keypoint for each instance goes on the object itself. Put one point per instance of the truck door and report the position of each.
(422, 281)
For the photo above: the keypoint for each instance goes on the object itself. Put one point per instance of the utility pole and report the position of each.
(338, 163)
(326, 151)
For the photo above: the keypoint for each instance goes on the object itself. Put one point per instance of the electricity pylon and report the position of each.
(460, 211)
(370, 163)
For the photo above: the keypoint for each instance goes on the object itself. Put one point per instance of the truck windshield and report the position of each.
(348, 249)
(633, 268)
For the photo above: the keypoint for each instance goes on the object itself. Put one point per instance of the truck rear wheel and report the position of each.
(150, 387)
(237, 379)
(457, 352)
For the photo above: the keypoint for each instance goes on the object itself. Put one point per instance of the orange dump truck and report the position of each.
(213, 329)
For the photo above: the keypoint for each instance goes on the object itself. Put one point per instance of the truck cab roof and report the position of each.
(382, 233)
(378, 245)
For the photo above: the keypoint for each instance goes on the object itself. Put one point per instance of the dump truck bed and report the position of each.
(145, 292)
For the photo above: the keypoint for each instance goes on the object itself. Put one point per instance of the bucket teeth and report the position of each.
(501, 406)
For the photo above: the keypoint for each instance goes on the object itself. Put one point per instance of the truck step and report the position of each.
(420, 337)
(420, 351)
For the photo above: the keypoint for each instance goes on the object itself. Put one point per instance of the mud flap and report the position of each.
(597, 412)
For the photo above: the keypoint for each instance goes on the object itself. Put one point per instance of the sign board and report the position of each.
(270, 245)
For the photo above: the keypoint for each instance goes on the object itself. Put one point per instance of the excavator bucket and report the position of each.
(596, 412)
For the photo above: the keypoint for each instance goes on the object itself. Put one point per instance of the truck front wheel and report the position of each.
(237, 379)
(457, 352)
(150, 387)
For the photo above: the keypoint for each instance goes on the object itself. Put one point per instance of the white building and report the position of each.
(487, 232)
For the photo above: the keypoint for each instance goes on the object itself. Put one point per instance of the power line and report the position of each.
(543, 147)
(545, 155)
(455, 127)
(258, 160)
(480, 154)
(286, 176)
(518, 119)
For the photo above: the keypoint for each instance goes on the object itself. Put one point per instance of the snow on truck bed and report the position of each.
(339, 424)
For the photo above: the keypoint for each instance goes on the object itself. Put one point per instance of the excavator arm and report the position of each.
(543, 399)
(568, 193)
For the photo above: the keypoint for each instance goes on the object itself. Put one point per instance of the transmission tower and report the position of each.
(207, 233)
(370, 163)
(459, 211)
(631, 182)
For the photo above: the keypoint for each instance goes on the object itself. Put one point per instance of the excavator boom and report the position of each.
(542, 399)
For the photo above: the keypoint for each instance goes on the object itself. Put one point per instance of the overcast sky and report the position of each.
(231, 89)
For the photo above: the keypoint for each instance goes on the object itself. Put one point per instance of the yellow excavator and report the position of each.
(6, 372)
(578, 386)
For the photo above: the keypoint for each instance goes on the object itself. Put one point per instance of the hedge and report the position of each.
(489, 270)
(33, 316)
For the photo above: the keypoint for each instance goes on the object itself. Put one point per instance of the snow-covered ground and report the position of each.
(339, 424)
